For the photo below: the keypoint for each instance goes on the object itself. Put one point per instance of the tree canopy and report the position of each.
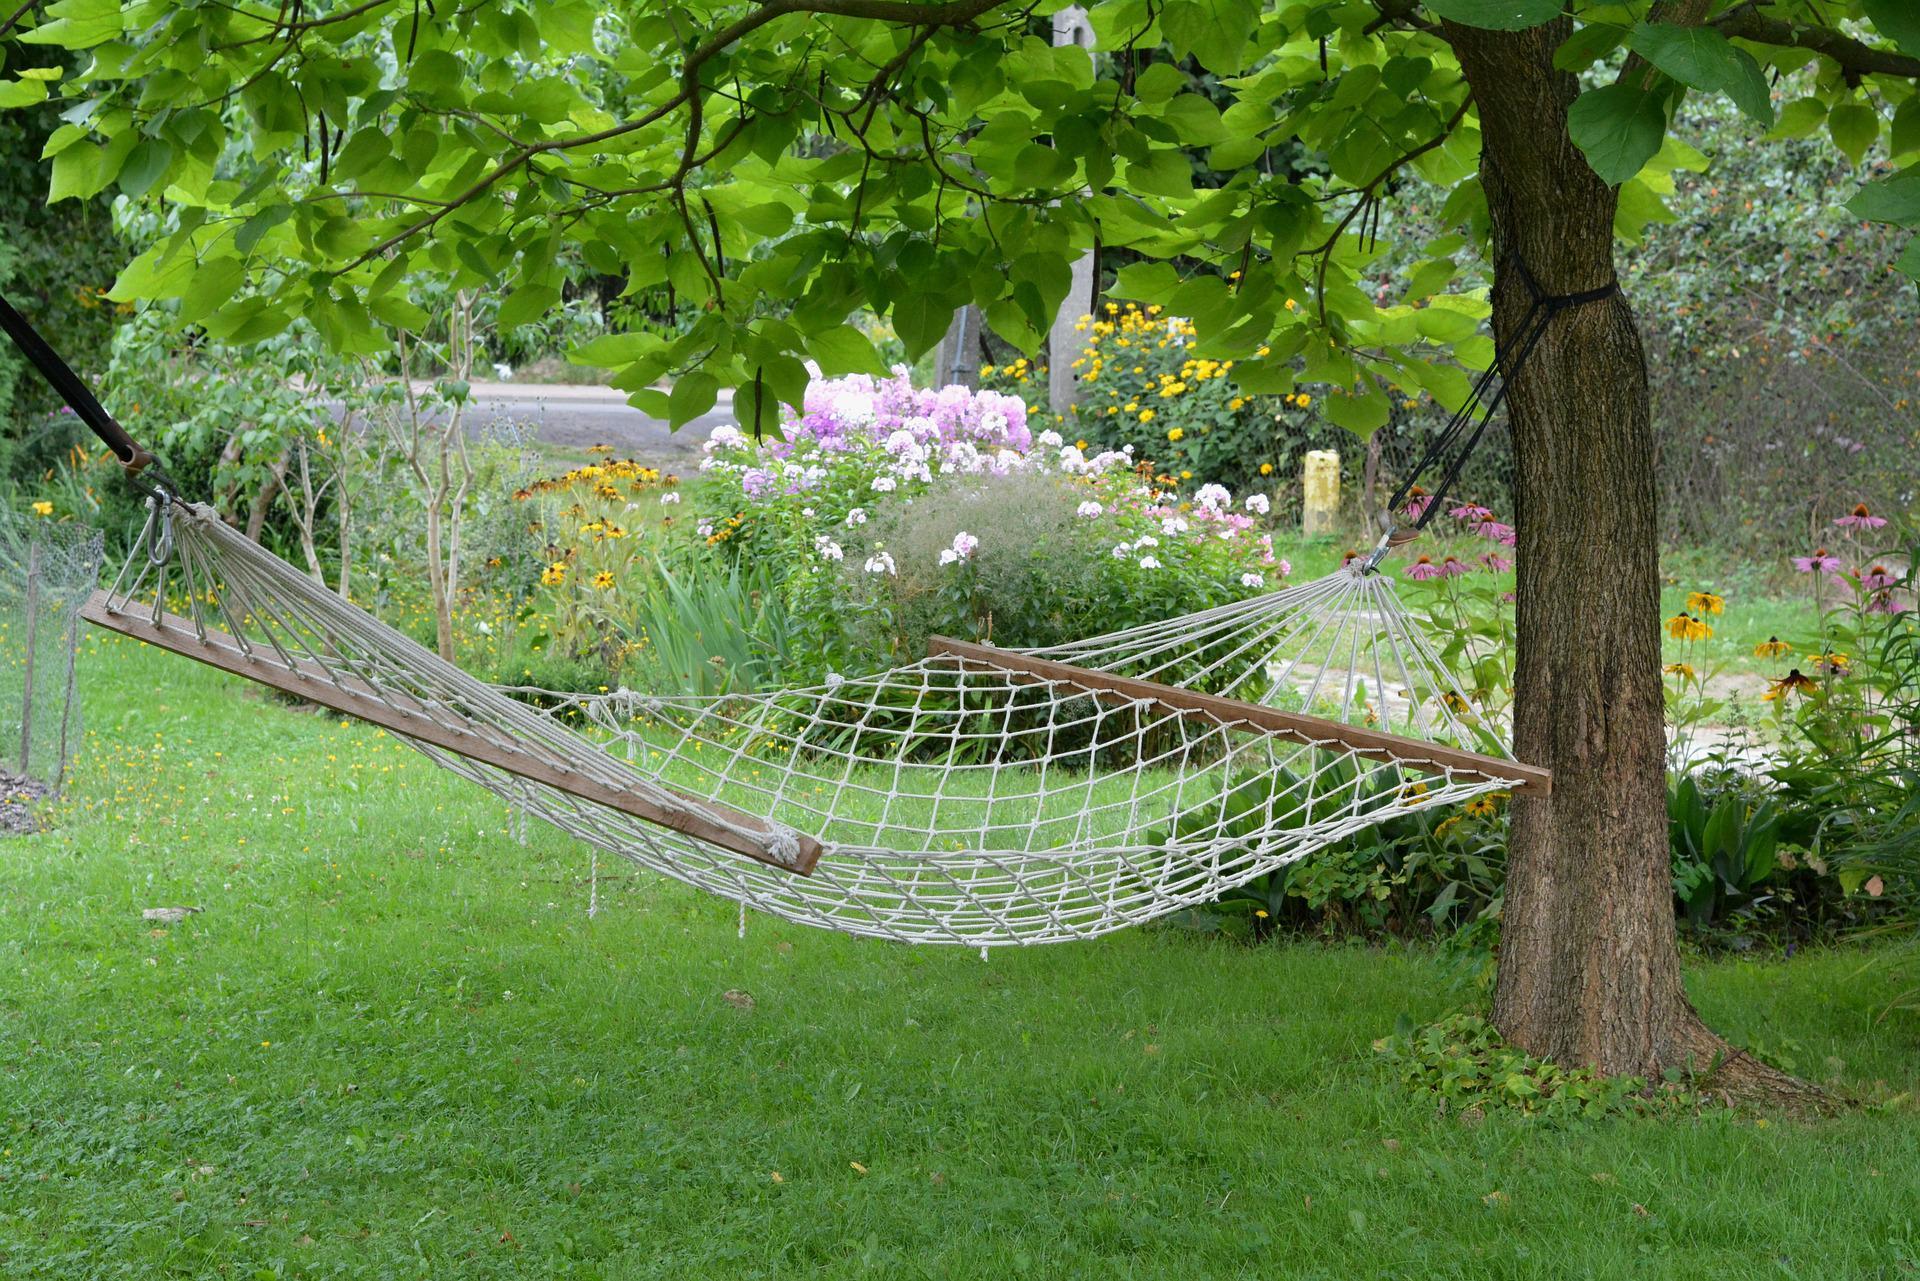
(771, 170)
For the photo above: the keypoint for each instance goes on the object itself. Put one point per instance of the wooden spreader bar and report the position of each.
(1398, 749)
(441, 727)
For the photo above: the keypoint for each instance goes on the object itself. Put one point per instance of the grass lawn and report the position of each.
(393, 1045)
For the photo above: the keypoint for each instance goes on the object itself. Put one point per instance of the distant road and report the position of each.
(580, 417)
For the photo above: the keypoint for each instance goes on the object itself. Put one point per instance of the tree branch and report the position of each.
(1856, 58)
(953, 13)
(13, 19)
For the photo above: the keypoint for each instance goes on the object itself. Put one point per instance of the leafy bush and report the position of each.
(1464, 1066)
(894, 513)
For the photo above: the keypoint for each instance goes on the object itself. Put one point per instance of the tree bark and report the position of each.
(1589, 967)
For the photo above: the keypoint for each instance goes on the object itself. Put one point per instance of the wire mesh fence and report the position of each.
(47, 571)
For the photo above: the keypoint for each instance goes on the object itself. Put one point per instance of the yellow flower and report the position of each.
(1266, 469)
(1481, 807)
(1174, 433)
(43, 508)
(1705, 603)
(554, 574)
(1772, 647)
(603, 580)
(1683, 670)
(1685, 627)
(1146, 415)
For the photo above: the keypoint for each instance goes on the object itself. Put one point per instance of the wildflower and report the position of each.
(1266, 469)
(1252, 580)
(603, 580)
(858, 516)
(1175, 434)
(1452, 567)
(1121, 551)
(1772, 647)
(1473, 513)
(1495, 563)
(1146, 416)
(1830, 663)
(1878, 579)
(1685, 627)
(1821, 562)
(1089, 509)
(1481, 807)
(669, 498)
(1792, 682)
(1683, 670)
(554, 574)
(1423, 569)
(884, 484)
(880, 563)
(1259, 504)
(43, 508)
(1860, 518)
(1418, 500)
(1149, 561)
(1213, 498)
(827, 549)
(962, 548)
(1705, 603)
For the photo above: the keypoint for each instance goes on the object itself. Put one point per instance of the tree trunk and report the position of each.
(1589, 964)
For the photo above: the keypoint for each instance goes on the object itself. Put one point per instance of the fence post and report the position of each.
(33, 628)
(1320, 492)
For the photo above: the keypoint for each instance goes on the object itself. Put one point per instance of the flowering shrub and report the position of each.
(1142, 387)
(897, 511)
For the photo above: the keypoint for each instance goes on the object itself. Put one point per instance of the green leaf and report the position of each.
(1909, 259)
(1898, 21)
(22, 93)
(525, 305)
(843, 349)
(1855, 127)
(1701, 58)
(693, 394)
(1799, 118)
(921, 320)
(1497, 15)
(146, 164)
(1620, 128)
(1362, 415)
(1895, 200)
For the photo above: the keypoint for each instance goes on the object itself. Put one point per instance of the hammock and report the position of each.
(979, 797)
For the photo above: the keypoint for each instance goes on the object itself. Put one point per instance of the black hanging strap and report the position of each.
(75, 392)
(1450, 449)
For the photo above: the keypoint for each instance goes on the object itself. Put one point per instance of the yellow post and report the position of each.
(1320, 492)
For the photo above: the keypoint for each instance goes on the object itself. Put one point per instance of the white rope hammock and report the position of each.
(979, 797)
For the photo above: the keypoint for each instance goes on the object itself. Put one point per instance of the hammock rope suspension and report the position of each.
(978, 797)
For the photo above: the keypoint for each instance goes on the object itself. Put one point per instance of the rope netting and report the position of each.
(47, 571)
(976, 797)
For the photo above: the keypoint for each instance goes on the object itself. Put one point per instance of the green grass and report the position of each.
(393, 1045)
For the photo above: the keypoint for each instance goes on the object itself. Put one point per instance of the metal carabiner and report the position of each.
(160, 547)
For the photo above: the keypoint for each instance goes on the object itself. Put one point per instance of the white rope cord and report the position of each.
(956, 801)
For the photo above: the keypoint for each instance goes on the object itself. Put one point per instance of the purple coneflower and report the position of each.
(1495, 562)
(1452, 567)
(1423, 569)
(1821, 562)
(1860, 518)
